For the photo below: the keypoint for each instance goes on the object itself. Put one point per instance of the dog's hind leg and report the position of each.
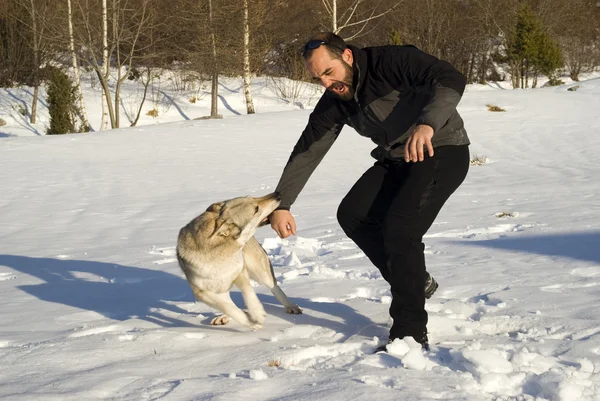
(223, 303)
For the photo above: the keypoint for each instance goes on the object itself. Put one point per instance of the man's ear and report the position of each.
(347, 56)
(215, 207)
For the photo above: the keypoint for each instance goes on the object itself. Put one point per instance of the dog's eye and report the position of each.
(256, 210)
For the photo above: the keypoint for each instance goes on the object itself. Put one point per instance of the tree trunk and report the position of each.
(105, 70)
(247, 93)
(146, 84)
(214, 111)
(36, 66)
(115, 25)
(106, 100)
(334, 16)
(471, 68)
(85, 125)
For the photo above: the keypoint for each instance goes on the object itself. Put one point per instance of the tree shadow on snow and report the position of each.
(124, 292)
(582, 245)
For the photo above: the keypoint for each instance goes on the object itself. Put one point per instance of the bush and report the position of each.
(61, 104)
(2, 123)
(495, 108)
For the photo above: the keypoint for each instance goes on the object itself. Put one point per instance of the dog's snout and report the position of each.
(277, 196)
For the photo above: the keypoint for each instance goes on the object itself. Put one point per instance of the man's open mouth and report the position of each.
(339, 87)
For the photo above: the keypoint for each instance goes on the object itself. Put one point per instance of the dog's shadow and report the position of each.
(121, 292)
(115, 291)
(348, 321)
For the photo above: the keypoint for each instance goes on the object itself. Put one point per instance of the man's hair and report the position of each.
(334, 44)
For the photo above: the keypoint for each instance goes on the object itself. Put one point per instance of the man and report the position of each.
(405, 101)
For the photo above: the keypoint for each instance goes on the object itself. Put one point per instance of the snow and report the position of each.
(93, 305)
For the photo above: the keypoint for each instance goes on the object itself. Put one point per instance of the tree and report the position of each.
(354, 16)
(531, 50)
(85, 125)
(61, 103)
(127, 30)
(247, 93)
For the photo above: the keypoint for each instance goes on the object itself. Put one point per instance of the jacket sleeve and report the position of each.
(323, 128)
(416, 70)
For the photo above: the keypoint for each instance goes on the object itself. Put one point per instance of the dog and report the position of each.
(217, 250)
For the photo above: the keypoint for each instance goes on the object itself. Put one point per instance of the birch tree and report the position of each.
(127, 33)
(37, 30)
(354, 16)
(214, 99)
(104, 71)
(85, 125)
(247, 93)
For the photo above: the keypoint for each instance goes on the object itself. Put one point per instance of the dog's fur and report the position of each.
(218, 249)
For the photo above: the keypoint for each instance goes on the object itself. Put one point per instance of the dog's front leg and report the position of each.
(256, 312)
(223, 303)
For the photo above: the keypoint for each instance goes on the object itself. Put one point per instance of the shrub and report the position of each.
(61, 104)
(2, 123)
(494, 108)
(152, 113)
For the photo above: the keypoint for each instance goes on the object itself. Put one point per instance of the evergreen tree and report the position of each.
(531, 50)
(61, 103)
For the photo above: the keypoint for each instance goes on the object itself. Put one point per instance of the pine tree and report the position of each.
(531, 50)
(61, 103)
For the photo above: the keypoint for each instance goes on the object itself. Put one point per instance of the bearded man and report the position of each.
(405, 101)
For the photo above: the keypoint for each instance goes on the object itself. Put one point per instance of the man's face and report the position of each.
(334, 74)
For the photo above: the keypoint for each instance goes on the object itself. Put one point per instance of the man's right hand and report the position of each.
(283, 223)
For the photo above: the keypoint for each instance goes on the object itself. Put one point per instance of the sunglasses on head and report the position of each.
(314, 44)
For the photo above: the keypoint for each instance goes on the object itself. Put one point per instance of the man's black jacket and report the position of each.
(396, 89)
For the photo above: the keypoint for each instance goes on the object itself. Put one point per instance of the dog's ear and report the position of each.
(215, 207)
(226, 229)
(221, 228)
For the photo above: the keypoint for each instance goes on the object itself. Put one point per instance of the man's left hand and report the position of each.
(419, 139)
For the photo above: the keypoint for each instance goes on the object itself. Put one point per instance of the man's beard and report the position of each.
(347, 82)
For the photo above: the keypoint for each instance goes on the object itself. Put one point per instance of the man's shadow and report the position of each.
(121, 292)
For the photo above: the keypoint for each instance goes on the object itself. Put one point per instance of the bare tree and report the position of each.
(104, 71)
(247, 93)
(356, 14)
(85, 125)
(38, 13)
(214, 111)
(129, 40)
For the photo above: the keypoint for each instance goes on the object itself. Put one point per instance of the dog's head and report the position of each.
(239, 218)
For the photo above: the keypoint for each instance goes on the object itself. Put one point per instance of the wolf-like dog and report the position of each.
(217, 250)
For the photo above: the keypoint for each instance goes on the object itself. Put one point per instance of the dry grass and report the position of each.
(193, 100)
(479, 160)
(274, 363)
(495, 108)
(152, 113)
(504, 214)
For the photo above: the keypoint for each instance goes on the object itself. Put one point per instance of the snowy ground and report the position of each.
(93, 305)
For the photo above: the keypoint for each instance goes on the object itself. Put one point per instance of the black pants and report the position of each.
(387, 212)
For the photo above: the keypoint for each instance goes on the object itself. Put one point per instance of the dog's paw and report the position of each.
(293, 310)
(220, 320)
(257, 316)
(255, 326)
